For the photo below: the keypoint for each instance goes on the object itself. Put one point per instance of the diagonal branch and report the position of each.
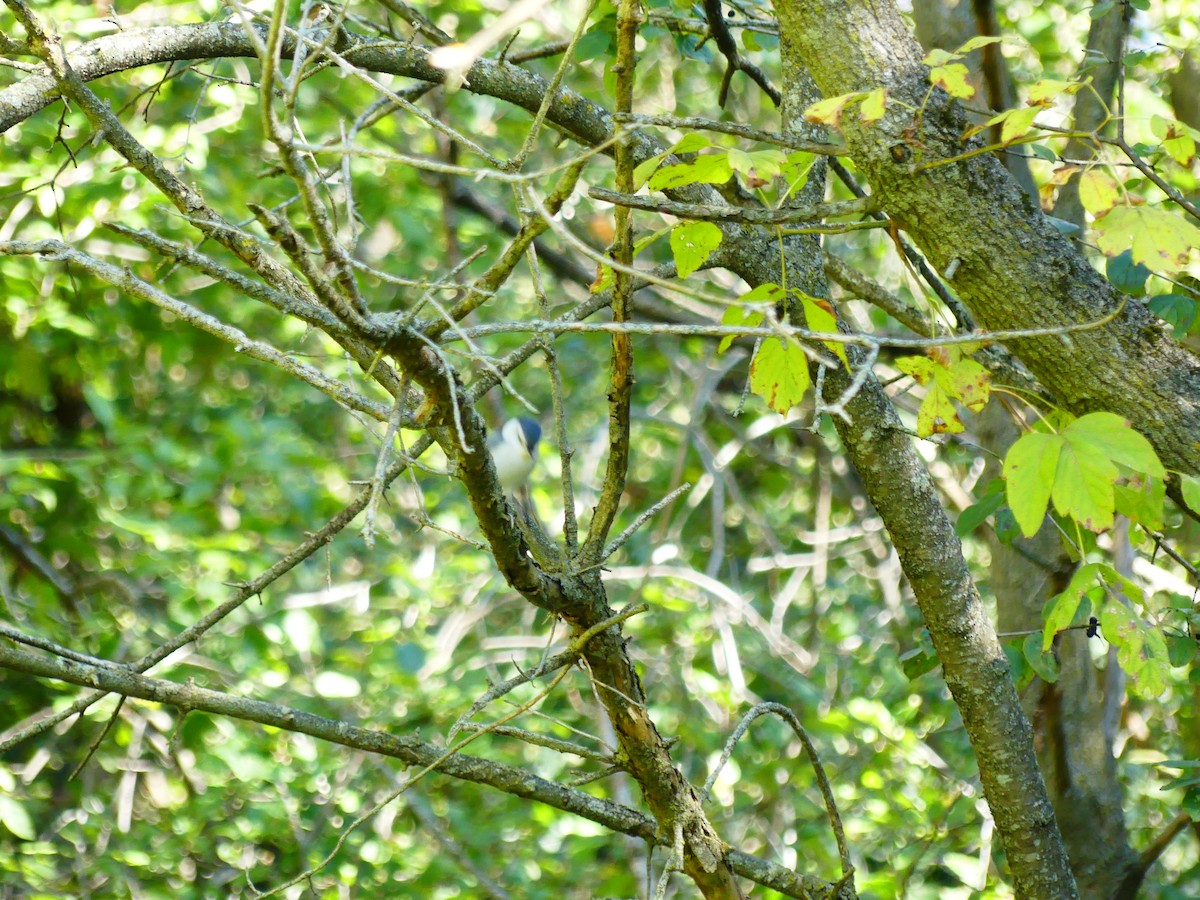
(411, 751)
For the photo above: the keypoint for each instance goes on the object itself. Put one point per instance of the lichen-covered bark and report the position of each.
(902, 491)
(1074, 748)
(1013, 268)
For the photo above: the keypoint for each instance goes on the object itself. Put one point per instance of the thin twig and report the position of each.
(241, 342)
(538, 326)
(616, 543)
(792, 142)
(778, 709)
(715, 212)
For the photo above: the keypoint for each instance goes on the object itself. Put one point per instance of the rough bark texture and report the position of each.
(1074, 749)
(902, 491)
(1013, 269)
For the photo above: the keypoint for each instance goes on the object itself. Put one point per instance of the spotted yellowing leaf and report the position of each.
(873, 106)
(1098, 191)
(954, 79)
(829, 111)
(1157, 238)
(1177, 139)
(951, 377)
(1046, 91)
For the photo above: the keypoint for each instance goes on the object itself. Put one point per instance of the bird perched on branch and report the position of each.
(514, 449)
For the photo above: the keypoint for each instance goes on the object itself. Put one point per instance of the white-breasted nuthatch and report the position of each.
(514, 449)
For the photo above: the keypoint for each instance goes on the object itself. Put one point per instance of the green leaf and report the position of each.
(766, 164)
(1141, 501)
(596, 41)
(1127, 276)
(1118, 441)
(646, 240)
(1029, 470)
(1005, 526)
(978, 41)
(691, 143)
(1141, 650)
(1044, 663)
(1022, 673)
(819, 315)
(766, 293)
(779, 374)
(1077, 469)
(644, 169)
(1083, 485)
(692, 244)
(693, 46)
(1189, 486)
(977, 513)
(1182, 649)
(738, 316)
(1191, 804)
(917, 662)
(739, 161)
(764, 41)
(1062, 609)
(1177, 310)
(16, 819)
(712, 168)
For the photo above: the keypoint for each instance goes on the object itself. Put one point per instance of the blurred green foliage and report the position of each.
(152, 467)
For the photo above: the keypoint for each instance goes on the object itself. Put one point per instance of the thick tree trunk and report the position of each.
(902, 491)
(1074, 748)
(1009, 265)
